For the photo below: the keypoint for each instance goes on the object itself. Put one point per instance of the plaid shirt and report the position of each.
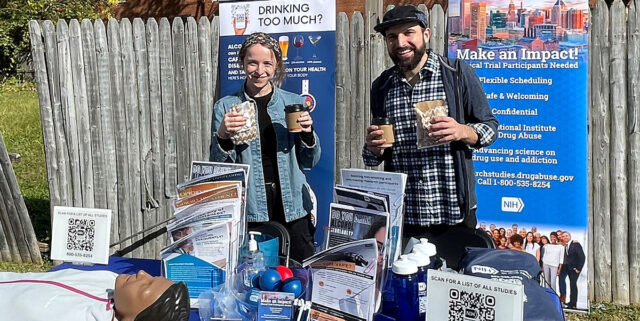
(431, 196)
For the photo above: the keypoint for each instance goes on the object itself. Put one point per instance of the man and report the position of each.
(514, 228)
(562, 273)
(440, 179)
(492, 227)
(483, 226)
(573, 264)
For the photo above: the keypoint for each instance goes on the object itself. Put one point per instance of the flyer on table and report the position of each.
(531, 58)
(305, 31)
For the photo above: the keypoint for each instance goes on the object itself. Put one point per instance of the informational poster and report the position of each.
(81, 235)
(531, 58)
(305, 31)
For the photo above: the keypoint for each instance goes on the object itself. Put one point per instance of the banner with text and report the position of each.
(532, 61)
(306, 34)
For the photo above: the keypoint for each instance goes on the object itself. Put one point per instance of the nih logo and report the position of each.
(512, 204)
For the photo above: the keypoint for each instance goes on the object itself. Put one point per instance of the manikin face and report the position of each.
(259, 66)
(135, 292)
(406, 44)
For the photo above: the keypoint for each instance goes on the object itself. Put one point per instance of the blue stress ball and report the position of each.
(270, 280)
(292, 285)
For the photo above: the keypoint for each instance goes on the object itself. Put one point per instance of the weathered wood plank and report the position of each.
(64, 169)
(193, 91)
(215, 43)
(120, 131)
(5, 250)
(358, 90)
(46, 118)
(131, 104)
(156, 211)
(93, 100)
(589, 249)
(601, 145)
(68, 107)
(206, 84)
(633, 106)
(144, 211)
(106, 115)
(181, 113)
(23, 229)
(82, 125)
(5, 220)
(438, 34)
(167, 83)
(618, 105)
(343, 95)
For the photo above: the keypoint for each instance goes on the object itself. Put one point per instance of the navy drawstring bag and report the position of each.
(515, 266)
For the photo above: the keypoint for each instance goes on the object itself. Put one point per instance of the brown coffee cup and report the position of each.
(386, 125)
(292, 113)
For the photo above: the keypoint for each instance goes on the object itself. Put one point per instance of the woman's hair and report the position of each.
(375, 227)
(265, 40)
(526, 239)
(172, 305)
(502, 231)
(516, 238)
(544, 237)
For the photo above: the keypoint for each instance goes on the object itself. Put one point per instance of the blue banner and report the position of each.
(306, 34)
(532, 61)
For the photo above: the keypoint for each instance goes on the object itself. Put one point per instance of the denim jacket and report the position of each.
(293, 155)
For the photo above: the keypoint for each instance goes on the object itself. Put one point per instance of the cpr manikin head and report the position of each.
(141, 297)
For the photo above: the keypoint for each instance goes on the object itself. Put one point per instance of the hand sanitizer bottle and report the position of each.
(254, 260)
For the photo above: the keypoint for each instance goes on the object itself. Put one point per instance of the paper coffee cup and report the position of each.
(386, 125)
(292, 113)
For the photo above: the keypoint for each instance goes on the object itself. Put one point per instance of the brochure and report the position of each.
(344, 281)
(200, 259)
(358, 198)
(389, 183)
(348, 223)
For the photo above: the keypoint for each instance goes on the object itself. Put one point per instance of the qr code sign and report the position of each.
(81, 234)
(471, 306)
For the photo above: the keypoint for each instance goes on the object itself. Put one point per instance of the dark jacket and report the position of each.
(575, 256)
(467, 103)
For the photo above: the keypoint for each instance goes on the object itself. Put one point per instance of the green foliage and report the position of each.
(14, 24)
(22, 133)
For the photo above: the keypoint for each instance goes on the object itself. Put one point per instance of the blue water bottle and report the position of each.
(423, 262)
(405, 288)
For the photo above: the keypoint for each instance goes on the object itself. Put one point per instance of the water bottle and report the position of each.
(405, 287)
(428, 249)
(423, 262)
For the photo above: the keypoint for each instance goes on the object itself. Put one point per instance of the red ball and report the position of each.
(284, 272)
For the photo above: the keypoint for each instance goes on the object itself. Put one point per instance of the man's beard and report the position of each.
(412, 63)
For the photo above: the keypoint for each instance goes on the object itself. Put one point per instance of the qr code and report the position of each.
(80, 234)
(471, 306)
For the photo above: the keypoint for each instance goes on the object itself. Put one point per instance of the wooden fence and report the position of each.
(126, 107)
(17, 239)
(614, 209)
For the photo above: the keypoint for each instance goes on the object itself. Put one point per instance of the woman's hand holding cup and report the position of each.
(231, 124)
(305, 121)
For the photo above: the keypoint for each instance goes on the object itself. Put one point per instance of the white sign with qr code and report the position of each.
(81, 235)
(458, 297)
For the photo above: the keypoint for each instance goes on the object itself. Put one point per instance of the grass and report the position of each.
(20, 127)
(22, 134)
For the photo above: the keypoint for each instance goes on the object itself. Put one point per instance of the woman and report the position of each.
(496, 237)
(544, 240)
(277, 189)
(503, 243)
(502, 231)
(552, 260)
(531, 247)
(516, 242)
